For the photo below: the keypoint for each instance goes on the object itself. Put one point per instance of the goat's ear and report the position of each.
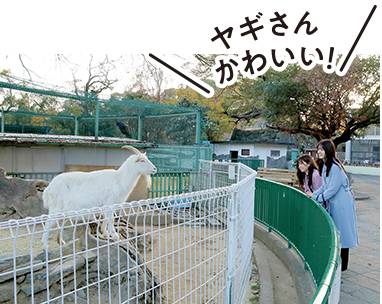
(136, 151)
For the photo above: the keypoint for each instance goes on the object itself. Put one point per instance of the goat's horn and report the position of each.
(136, 151)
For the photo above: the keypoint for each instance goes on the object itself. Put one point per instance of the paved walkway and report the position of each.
(361, 282)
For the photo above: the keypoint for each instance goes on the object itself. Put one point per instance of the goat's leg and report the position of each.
(109, 224)
(45, 235)
(59, 239)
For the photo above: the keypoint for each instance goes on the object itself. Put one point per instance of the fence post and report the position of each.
(199, 115)
(76, 125)
(231, 248)
(96, 127)
(2, 121)
(210, 180)
(140, 124)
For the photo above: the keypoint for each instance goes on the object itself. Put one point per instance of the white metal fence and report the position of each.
(191, 248)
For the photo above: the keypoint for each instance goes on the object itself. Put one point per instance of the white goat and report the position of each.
(84, 190)
(141, 189)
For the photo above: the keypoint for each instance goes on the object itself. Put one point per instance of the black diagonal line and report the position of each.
(358, 38)
(180, 73)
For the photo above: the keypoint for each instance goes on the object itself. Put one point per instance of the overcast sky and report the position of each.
(49, 69)
(165, 27)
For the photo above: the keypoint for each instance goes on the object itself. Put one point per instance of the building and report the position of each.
(365, 149)
(266, 144)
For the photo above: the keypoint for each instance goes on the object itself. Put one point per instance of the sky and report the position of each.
(164, 27)
(51, 70)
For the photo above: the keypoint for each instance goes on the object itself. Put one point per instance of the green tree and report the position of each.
(216, 122)
(318, 104)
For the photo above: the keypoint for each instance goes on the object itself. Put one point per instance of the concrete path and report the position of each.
(361, 282)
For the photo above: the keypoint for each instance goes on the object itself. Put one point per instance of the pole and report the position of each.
(140, 123)
(2, 121)
(96, 122)
(231, 249)
(199, 115)
(76, 125)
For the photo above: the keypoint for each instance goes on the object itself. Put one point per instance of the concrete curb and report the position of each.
(361, 196)
(303, 281)
(265, 280)
(363, 170)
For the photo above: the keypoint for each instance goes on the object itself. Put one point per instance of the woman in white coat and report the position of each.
(339, 198)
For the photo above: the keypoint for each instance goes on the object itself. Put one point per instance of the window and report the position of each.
(245, 152)
(275, 153)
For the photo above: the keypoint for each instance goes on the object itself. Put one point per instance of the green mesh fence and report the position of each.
(41, 109)
(178, 158)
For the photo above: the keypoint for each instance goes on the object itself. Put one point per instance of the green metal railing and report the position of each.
(306, 226)
(169, 183)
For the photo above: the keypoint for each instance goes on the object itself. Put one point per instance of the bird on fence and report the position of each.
(124, 129)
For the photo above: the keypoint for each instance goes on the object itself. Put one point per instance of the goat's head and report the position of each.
(145, 166)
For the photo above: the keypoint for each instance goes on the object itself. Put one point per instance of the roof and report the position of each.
(263, 136)
(49, 139)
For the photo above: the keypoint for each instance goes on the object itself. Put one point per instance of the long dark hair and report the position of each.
(301, 175)
(330, 153)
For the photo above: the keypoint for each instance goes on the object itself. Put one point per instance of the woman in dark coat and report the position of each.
(339, 198)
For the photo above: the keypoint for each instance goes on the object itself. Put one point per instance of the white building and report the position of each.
(268, 145)
(262, 151)
(365, 149)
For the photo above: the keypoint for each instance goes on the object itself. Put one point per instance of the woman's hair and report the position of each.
(301, 175)
(330, 153)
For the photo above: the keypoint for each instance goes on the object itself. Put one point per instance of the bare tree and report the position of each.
(148, 79)
(100, 78)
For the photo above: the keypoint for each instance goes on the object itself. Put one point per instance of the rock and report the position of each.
(22, 270)
(55, 253)
(20, 198)
(6, 291)
(58, 271)
(6, 261)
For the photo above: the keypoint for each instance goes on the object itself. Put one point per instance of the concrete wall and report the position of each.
(54, 158)
(263, 151)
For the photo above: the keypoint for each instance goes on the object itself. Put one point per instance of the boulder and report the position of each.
(20, 198)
